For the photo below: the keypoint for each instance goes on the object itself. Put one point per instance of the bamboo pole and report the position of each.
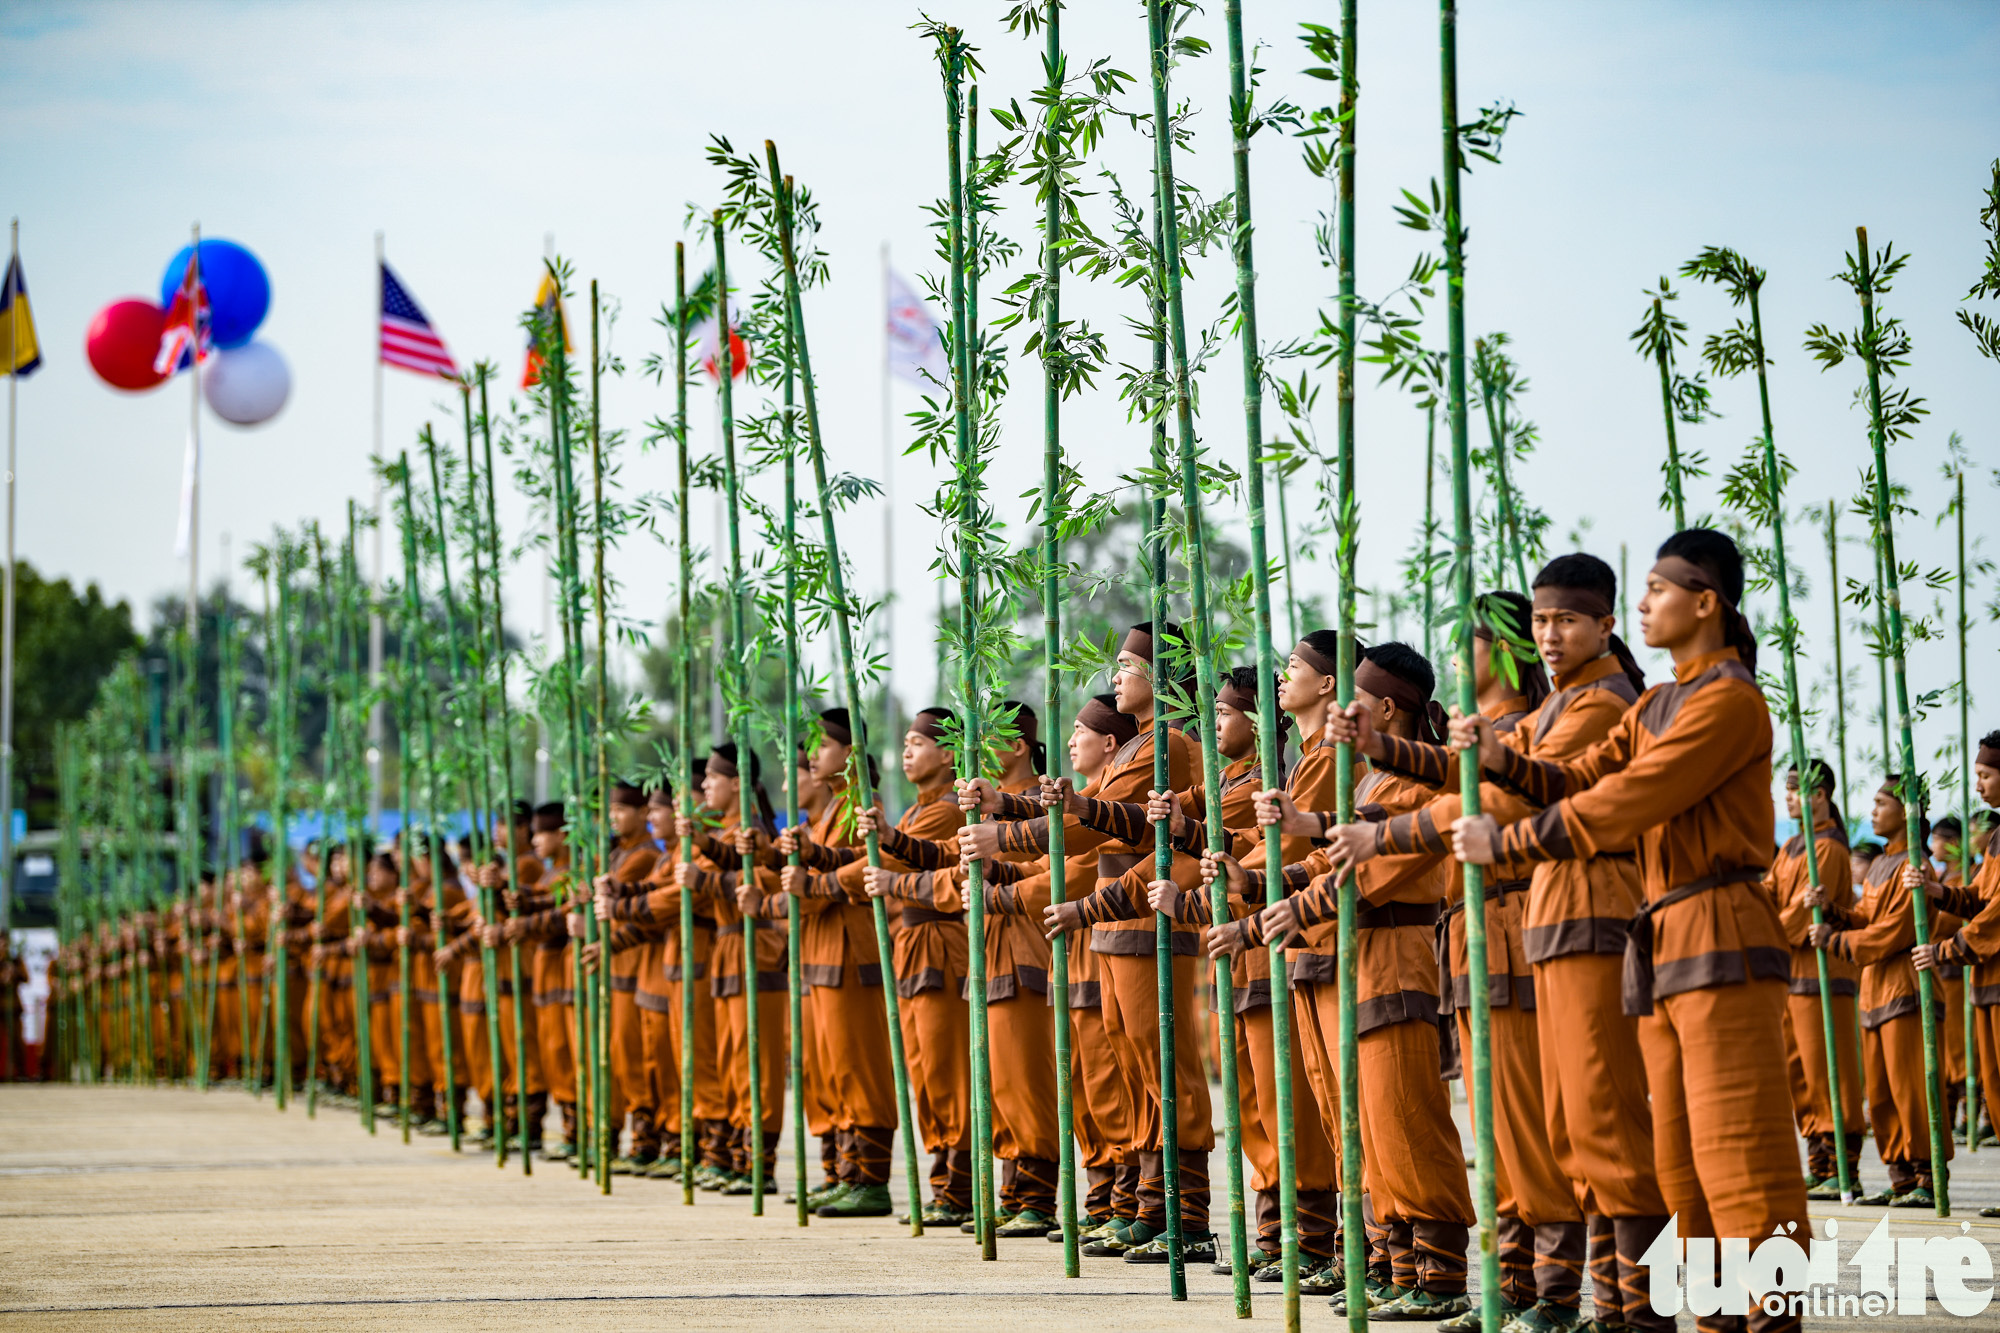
(479, 781)
(1801, 760)
(418, 685)
(406, 725)
(971, 750)
(1882, 655)
(794, 963)
(1354, 1236)
(499, 630)
(1203, 646)
(835, 591)
(357, 850)
(738, 657)
(1479, 1082)
(1430, 531)
(607, 1133)
(684, 726)
(1155, 551)
(447, 999)
(1965, 805)
(1054, 68)
(1865, 270)
(331, 742)
(583, 844)
(1489, 362)
(1267, 703)
(1659, 334)
(1839, 660)
(281, 1061)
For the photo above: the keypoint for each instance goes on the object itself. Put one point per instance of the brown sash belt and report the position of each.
(1113, 865)
(1396, 914)
(913, 915)
(1638, 984)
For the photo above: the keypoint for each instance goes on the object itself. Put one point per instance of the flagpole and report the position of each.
(374, 610)
(7, 613)
(194, 471)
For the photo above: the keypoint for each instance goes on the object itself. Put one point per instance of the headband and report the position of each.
(1736, 631)
(1026, 724)
(1138, 642)
(661, 798)
(1100, 714)
(931, 722)
(1385, 684)
(834, 723)
(549, 819)
(1314, 658)
(1583, 601)
(721, 765)
(1242, 700)
(624, 793)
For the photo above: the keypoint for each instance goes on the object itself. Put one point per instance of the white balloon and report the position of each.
(247, 385)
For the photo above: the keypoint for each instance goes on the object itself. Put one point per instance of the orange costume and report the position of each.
(1684, 780)
(1805, 1023)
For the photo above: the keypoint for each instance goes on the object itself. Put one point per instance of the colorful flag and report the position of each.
(408, 340)
(916, 342)
(20, 353)
(708, 352)
(187, 323)
(548, 306)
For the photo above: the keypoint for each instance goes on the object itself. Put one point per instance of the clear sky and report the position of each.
(469, 132)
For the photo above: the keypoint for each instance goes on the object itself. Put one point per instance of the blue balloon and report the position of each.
(239, 291)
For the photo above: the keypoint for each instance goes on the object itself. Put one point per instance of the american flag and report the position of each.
(187, 322)
(408, 340)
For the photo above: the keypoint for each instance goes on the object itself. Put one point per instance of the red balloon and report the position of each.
(123, 341)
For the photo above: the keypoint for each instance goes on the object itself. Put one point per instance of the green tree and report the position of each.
(66, 644)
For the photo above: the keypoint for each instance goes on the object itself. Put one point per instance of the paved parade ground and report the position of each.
(164, 1208)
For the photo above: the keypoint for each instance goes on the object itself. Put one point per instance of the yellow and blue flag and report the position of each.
(20, 354)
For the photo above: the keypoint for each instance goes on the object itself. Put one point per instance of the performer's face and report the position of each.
(923, 758)
(1235, 733)
(1133, 685)
(1090, 750)
(1887, 815)
(831, 760)
(660, 820)
(1987, 780)
(1569, 639)
(548, 843)
(719, 793)
(1302, 686)
(1670, 615)
(627, 820)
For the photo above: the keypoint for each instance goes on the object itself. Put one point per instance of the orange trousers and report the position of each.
(1416, 1166)
(1951, 993)
(851, 1030)
(629, 1089)
(711, 1100)
(1131, 1011)
(1986, 1039)
(1529, 1183)
(475, 1033)
(1723, 1145)
(555, 1021)
(1315, 1163)
(1316, 1015)
(1021, 1043)
(937, 1043)
(732, 1057)
(1104, 1099)
(1807, 1028)
(1898, 1109)
(385, 1031)
(1594, 1096)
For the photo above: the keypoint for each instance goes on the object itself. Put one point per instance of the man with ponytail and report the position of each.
(1878, 934)
(1976, 944)
(1682, 782)
(1805, 1026)
(1020, 1038)
(1113, 823)
(929, 964)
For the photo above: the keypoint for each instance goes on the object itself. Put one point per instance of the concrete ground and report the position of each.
(140, 1208)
